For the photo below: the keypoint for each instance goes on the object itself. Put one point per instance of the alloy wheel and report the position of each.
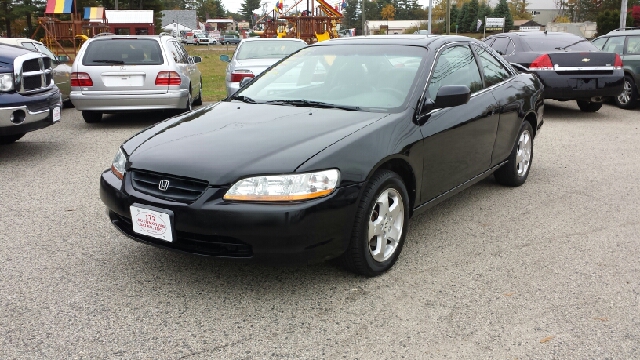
(523, 156)
(625, 96)
(386, 222)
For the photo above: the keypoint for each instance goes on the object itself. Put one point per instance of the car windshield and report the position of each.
(123, 52)
(39, 47)
(366, 77)
(268, 49)
(553, 43)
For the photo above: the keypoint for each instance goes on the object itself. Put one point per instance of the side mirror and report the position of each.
(225, 58)
(63, 59)
(245, 81)
(197, 59)
(452, 95)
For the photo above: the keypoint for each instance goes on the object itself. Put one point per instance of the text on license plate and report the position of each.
(56, 114)
(151, 223)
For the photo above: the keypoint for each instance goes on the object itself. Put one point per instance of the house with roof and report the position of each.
(184, 18)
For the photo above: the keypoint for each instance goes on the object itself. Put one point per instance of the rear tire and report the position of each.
(10, 139)
(92, 116)
(380, 226)
(628, 99)
(588, 106)
(189, 103)
(198, 100)
(515, 172)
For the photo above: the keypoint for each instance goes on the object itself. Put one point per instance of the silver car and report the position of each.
(255, 55)
(134, 73)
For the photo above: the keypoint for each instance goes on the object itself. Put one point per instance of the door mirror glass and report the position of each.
(452, 95)
(225, 58)
(197, 59)
(63, 59)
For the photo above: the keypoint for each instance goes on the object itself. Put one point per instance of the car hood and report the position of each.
(230, 140)
(8, 53)
(257, 66)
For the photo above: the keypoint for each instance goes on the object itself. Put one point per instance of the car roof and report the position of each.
(422, 40)
(270, 39)
(627, 31)
(538, 34)
(17, 41)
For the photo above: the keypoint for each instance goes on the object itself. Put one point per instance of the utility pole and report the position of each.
(363, 19)
(429, 25)
(116, 4)
(447, 21)
(623, 14)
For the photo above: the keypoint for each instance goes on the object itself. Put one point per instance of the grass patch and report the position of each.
(212, 69)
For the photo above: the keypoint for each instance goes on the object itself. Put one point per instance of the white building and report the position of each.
(396, 27)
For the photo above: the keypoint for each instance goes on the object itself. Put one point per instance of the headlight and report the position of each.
(6, 82)
(288, 187)
(117, 167)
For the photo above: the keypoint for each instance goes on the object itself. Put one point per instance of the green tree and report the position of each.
(210, 9)
(518, 9)
(470, 18)
(248, 7)
(609, 20)
(484, 11)
(463, 21)
(502, 10)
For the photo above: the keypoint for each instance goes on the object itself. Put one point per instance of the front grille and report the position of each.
(47, 62)
(189, 242)
(179, 188)
(48, 77)
(32, 82)
(31, 65)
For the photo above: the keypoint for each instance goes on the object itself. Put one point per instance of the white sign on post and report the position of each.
(495, 22)
(529, 28)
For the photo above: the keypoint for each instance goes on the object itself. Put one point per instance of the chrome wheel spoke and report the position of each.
(386, 222)
(523, 155)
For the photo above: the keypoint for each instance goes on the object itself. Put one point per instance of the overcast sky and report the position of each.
(234, 5)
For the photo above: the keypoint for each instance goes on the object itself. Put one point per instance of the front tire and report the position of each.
(91, 116)
(628, 99)
(380, 226)
(588, 106)
(10, 139)
(515, 172)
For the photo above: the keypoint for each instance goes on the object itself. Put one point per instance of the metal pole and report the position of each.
(116, 4)
(447, 21)
(364, 32)
(429, 25)
(623, 14)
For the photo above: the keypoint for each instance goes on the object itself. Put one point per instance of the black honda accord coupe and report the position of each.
(329, 153)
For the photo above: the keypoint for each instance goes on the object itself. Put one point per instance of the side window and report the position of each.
(500, 45)
(494, 71)
(633, 45)
(599, 43)
(184, 54)
(511, 48)
(28, 45)
(172, 49)
(455, 66)
(614, 45)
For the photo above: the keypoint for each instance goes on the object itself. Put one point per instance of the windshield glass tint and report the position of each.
(268, 49)
(371, 77)
(564, 42)
(123, 52)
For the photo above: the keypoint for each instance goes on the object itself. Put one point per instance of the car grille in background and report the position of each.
(189, 242)
(179, 188)
(31, 65)
(32, 82)
(35, 75)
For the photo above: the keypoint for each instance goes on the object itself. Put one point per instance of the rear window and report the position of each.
(123, 52)
(555, 43)
(268, 49)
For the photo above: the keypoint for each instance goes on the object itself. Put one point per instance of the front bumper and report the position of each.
(580, 87)
(37, 110)
(109, 102)
(306, 232)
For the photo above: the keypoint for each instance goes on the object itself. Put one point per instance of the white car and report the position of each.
(202, 39)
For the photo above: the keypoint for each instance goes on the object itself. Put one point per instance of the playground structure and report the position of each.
(317, 23)
(72, 32)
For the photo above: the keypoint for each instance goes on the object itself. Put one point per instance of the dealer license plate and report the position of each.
(56, 114)
(151, 223)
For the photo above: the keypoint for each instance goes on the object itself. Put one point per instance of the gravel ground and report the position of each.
(547, 270)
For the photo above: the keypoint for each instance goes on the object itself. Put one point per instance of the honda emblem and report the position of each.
(163, 185)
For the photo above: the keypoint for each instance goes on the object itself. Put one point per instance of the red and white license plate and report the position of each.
(151, 223)
(56, 114)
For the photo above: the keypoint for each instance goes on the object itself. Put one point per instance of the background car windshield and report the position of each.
(555, 43)
(371, 77)
(39, 47)
(123, 52)
(269, 49)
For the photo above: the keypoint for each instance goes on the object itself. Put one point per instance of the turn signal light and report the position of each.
(618, 63)
(238, 75)
(542, 62)
(81, 79)
(168, 78)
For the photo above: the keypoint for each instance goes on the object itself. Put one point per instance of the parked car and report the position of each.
(190, 38)
(255, 55)
(134, 73)
(569, 66)
(229, 39)
(29, 99)
(625, 43)
(61, 69)
(203, 39)
(313, 166)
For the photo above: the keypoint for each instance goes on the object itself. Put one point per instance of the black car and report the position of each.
(29, 100)
(329, 153)
(569, 66)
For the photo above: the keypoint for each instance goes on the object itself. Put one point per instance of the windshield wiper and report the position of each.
(109, 61)
(243, 98)
(564, 47)
(310, 103)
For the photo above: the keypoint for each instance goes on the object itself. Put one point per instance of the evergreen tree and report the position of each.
(463, 19)
(471, 17)
(248, 7)
(350, 19)
(484, 11)
(453, 14)
(502, 10)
